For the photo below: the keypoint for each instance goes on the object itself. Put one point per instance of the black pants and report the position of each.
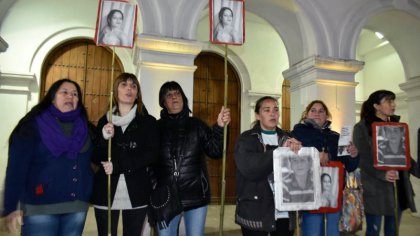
(282, 228)
(132, 221)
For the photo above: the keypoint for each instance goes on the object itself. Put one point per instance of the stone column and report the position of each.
(164, 59)
(412, 89)
(328, 79)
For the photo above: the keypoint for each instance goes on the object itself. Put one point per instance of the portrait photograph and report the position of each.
(227, 22)
(391, 146)
(116, 24)
(297, 179)
(331, 190)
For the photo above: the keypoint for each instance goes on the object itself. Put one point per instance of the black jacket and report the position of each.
(132, 153)
(254, 162)
(185, 141)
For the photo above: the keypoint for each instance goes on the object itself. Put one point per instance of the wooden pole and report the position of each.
(111, 84)
(396, 208)
(297, 224)
(222, 200)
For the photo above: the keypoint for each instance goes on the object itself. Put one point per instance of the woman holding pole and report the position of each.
(378, 185)
(185, 141)
(135, 144)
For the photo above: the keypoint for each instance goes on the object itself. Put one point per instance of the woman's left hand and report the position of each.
(224, 117)
(352, 149)
(293, 144)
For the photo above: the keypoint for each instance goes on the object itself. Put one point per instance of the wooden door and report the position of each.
(207, 102)
(88, 65)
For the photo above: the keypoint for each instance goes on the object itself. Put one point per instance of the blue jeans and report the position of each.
(70, 224)
(374, 222)
(313, 224)
(194, 219)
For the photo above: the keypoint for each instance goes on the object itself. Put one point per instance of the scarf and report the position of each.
(52, 134)
(123, 121)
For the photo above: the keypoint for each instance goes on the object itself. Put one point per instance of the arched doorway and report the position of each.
(87, 64)
(207, 101)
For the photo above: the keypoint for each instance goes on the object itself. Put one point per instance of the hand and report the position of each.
(324, 158)
(293, 144)
(12, 220)
(224, 117)
(352, 149)
(391, 176)
(108, 131)
(107, 167)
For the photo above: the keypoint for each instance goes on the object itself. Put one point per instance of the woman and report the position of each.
(135, 144)
(225, 30)
(185, 141)
(253, 154)
(113, 33)
(326, 195)
(300, 184)
(48, 176)
(378, 190)
(314, 131)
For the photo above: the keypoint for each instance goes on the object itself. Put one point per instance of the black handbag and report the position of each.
(165, 201)
(165, 204)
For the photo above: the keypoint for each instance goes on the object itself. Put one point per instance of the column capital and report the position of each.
(323, 70)
(412, 87)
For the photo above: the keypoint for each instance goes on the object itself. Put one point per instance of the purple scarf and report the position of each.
(52, 134)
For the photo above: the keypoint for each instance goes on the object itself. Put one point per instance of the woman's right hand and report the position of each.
(108, 131)
(107, 167)
(13, 220)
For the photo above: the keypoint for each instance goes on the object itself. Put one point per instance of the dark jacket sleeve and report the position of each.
(363, 142)
(252, 163)
(21, 149)
(212, 139)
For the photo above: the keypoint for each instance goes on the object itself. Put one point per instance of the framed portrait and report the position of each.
(227, 22)
(391, 146)
(331, 181)
(116, 24)
(296, 179)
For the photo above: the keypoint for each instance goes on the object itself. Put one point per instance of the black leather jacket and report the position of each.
(185, 141)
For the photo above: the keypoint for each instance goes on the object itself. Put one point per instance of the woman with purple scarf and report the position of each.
(48, 177)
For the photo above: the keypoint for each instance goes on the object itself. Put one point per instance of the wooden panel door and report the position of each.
(87, 64)
(207, 102)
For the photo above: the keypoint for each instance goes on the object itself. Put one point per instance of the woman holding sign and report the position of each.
(378, 184)
(314, 131)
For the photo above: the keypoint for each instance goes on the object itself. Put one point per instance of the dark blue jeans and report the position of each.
(70, 224)
(374, 223)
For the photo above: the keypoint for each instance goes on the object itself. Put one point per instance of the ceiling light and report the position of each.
(379, 35)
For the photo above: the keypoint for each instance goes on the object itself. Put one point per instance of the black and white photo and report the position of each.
(227, 21)
(391, 145)
(296, 178)
(116, 24)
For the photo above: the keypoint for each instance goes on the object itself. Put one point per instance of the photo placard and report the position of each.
(391, 146)
(331, 181)
(227, 22)
(116, 24)
(296, 179)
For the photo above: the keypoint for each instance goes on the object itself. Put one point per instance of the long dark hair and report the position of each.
(111, 14)
(222, 11)
(368, 112)
(47, 101)
(172, 86)
(124, 77)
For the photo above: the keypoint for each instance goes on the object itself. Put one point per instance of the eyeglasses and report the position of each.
(66, 93)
